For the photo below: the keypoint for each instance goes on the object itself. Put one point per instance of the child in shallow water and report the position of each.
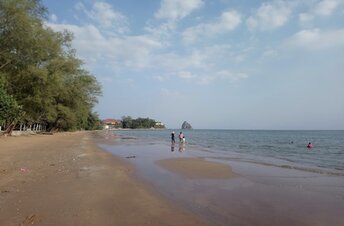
(181, 136)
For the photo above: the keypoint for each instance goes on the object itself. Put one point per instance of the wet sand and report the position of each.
(197, 168)
(65, 179)
(228, 192)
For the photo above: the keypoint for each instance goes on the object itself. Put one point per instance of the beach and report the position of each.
(98, 178)
(65, 179)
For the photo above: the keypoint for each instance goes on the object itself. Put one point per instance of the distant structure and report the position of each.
(111, 123)
(159, 125)
(186, 125)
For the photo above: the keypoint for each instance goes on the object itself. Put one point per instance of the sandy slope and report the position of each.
(64, 179)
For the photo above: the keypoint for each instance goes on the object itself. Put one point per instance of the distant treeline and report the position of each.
(139, 123)
(41, 79)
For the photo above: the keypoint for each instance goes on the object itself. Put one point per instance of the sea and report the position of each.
(282, 148)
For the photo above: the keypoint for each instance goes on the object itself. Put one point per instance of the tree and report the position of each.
(10, 111)
(40, 69)
(127, 122)
(93, 122)
(139, 123)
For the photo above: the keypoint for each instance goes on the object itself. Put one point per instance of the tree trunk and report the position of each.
(9, 129)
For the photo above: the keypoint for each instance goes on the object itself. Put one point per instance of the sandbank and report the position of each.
(197, 168)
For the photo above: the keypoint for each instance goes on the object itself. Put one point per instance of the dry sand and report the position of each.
(64, 179)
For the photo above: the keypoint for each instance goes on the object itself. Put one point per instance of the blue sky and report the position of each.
(219, 64)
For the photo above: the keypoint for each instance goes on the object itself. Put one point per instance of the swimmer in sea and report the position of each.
(309, 145)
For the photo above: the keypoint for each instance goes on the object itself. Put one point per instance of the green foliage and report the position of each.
(139, 123)
(186, 125)
(9, 109)
(40, 69)
(127, 122)
(93, 122)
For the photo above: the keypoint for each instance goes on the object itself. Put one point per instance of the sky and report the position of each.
(218, 64)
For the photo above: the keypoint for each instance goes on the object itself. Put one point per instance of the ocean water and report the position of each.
(279, 148)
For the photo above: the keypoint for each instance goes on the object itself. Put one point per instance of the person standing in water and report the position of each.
(172, 138)
(181, 136)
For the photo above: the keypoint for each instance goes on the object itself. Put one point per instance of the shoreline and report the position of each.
(226, 153)
(257, 194)
(98, 178)
(65, 179)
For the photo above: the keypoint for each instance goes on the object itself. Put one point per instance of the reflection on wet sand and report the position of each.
(181, 147)
(250, 194)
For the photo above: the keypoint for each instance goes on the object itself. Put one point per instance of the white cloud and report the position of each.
(315, 39)
(186, 75)
(270, 15)
(206, 77)
(105, 16)
(170, 93)
(183, 74)
(177, 62)
(201, 65)
(96, 43)
(160, 77)
(84, 33)
(163, 32)
(218, 50)
(222, 75)
(270, 53)
(230, 20)
(177, 9)
(222, 54)
(326, 7)
(227, 22)
(305, 18)
(133, 52)
(322, 8)
(116, 54)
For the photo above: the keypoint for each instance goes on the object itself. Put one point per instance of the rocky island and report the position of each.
(186, 125)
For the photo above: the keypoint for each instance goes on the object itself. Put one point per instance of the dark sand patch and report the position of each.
(197, 168)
